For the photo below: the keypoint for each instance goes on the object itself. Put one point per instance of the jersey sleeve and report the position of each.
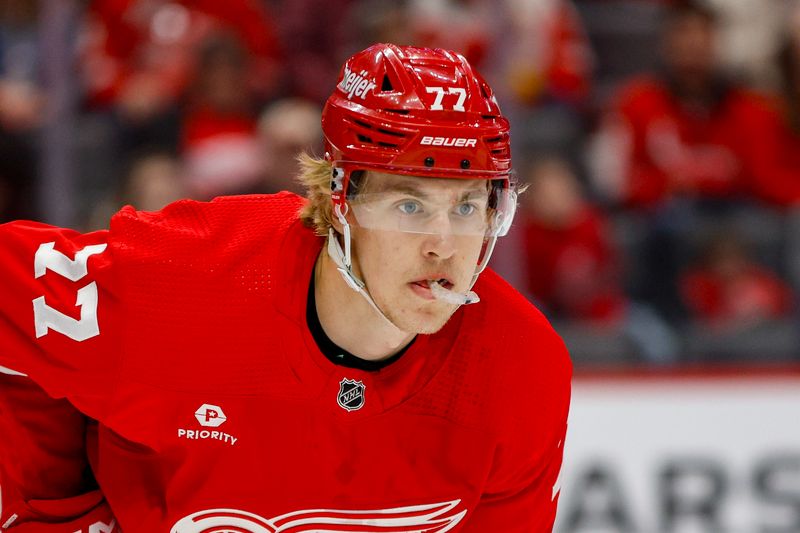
(523, 489)
(55, 369)
(45, 481)
(56, 310)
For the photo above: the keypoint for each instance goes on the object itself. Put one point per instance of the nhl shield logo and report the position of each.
(351, 394)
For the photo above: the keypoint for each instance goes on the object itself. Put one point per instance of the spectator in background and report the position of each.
(788, 62)
(542, 61)
(17, 178)
(545, 52)
(729, 289)
(153, 181)
(687, 146)
(460, 25)
(21, 107)
(139, 54)
(286, 129)
(218, 131)
(573, 269)
(750, 32)
(138, 60)
(21, 97)
(686, 131)
(378, 21)
(315, 46)
(153, 178)
(787, 140)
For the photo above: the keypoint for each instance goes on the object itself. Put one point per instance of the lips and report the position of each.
(425, 283)
(422, 287)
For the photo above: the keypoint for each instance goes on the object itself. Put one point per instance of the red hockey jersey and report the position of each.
(170, 357)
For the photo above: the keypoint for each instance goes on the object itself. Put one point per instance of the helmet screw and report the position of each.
(465, 163)
(429, 161)
(337, 175)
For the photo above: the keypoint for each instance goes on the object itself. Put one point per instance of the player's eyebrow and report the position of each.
(406, 188)
(410, 188)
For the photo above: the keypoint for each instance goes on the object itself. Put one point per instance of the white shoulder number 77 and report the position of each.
(47, 318)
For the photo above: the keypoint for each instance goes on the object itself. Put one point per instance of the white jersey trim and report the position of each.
(4, 370)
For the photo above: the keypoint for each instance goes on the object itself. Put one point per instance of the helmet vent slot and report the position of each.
(386, 85)
(392, 133)
(398, 111)
(498, 145)
(364, 139)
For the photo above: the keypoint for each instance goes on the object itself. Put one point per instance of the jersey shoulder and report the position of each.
(223, 227)
(201, 284)
(518, 327)
(524, 363)
(506, 369)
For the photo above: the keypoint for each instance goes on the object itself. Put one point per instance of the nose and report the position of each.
(439, 246)
(439, 242)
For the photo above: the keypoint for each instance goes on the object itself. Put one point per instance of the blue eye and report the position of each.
(465, 210)
(409, 208)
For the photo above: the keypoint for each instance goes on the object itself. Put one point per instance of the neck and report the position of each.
(348, 319)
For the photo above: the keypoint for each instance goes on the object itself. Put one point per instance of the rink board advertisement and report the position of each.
(700, 453)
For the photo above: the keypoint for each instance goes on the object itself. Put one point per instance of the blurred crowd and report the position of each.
(660, 140)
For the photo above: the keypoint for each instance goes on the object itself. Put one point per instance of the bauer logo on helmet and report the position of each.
(448, 141)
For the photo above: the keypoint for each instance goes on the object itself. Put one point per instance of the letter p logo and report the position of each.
(210, 415)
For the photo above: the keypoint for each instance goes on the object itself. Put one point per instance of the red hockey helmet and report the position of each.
(415, 111)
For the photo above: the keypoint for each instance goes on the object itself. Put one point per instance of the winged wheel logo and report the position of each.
(430, 518)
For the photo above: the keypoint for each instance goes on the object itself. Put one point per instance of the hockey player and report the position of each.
(276, 363)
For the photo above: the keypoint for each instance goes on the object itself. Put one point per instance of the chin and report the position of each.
(423, 322)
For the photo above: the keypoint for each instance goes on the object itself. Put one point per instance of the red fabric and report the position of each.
(755, 294)
(727, 151)
(122, 47)
(202, 306)
(573, 270)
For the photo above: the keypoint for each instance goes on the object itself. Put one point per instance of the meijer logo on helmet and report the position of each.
(356, 84)
(448, 141)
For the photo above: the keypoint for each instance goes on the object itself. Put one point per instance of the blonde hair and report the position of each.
(315, 176)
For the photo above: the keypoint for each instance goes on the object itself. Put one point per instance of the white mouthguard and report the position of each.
(452, 297)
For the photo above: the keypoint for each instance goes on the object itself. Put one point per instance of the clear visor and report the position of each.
(482, 211)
